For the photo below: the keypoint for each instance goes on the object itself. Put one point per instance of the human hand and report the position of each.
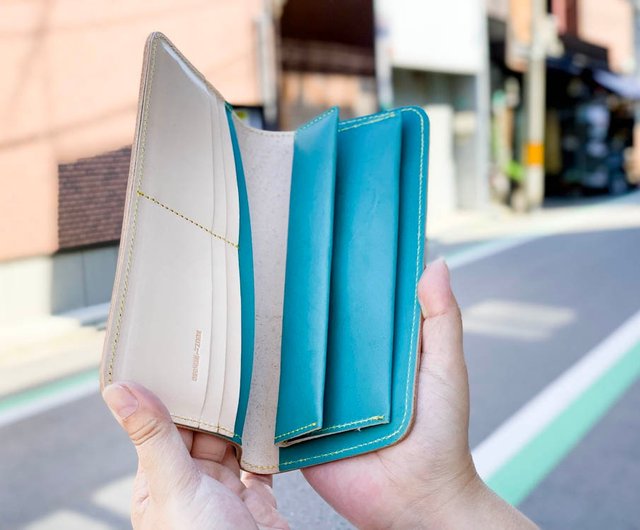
(187, 479)
(428, 480)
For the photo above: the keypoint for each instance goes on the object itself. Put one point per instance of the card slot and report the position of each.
(175, 258)
(224, 388)
(233, 365)
(308, 272)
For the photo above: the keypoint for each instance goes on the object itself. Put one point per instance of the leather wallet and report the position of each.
(266, 285)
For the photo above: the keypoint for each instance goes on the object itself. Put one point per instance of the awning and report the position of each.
(626, 86)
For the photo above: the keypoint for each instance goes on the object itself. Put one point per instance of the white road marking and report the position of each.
(485, 250)
(532, 418)
(459, 259)
(52, 400)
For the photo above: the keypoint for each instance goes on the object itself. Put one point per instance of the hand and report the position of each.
(428, 480)
(186, 479)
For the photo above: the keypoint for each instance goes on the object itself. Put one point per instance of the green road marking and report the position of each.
(42, 392)
(519, 476)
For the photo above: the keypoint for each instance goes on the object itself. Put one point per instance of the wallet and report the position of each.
(266, 283)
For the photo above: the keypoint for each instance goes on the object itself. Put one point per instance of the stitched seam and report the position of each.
(132, 240)
(200, 422)
(377, 120)
(254, 466)
(296, 430)
(413, 327)
(175, 212)
(412, 351)
(139, 173)
(367, 118)
(317, 119)
(350, 423)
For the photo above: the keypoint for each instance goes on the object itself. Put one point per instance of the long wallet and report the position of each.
(266, 285)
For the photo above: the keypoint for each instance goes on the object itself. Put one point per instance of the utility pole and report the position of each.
(535, 85)
(636, 106)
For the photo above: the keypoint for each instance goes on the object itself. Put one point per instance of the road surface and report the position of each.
(535, 306)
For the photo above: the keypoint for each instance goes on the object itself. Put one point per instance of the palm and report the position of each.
(434, 455)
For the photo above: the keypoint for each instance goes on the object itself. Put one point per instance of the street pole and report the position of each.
(535, 85)
(384, 70)
(635, 165)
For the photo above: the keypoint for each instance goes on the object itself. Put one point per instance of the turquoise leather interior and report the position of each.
(411, 208)
(363, 270)
(351, 318)
(271, 298)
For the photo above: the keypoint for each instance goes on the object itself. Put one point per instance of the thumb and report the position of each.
(443, 371)
(442, 328)
(163, 457)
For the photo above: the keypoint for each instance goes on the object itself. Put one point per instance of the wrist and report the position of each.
(438, 502)
(474, 505)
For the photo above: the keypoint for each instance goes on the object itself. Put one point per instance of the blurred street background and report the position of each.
(533, 171)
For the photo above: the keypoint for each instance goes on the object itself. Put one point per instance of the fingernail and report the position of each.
(120, 400)
(441, 262)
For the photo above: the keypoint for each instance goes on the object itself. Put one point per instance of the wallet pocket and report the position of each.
(355, 380)
(308, 268)
(361, 315)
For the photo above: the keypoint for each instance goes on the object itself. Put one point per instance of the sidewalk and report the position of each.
(53, 347)
(47, 348)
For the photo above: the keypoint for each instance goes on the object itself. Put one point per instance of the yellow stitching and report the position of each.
(131, 241)
(325, 429)
(296, 430)
(265, 468)
(413, 326)
(317, 118)
(139, 172)
(162, 205)
(200, 422)
(365, 118)
(377, 120)
(411, 352)
(348, 424)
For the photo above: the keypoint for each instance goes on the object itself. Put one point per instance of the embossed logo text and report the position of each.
(195, 361)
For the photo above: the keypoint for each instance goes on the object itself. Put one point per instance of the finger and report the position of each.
(261, 487)
(162, 454)
(444, 381)
(253, 478)
(187, 437)
(442, 328)
(222, 474)
(230, 461)
(208, 447)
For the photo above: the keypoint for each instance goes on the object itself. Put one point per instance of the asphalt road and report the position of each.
(531, 312)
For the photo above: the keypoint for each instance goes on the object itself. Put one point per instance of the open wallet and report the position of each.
(266, 285)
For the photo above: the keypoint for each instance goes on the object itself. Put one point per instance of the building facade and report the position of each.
(68, 99)
(438, 57)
